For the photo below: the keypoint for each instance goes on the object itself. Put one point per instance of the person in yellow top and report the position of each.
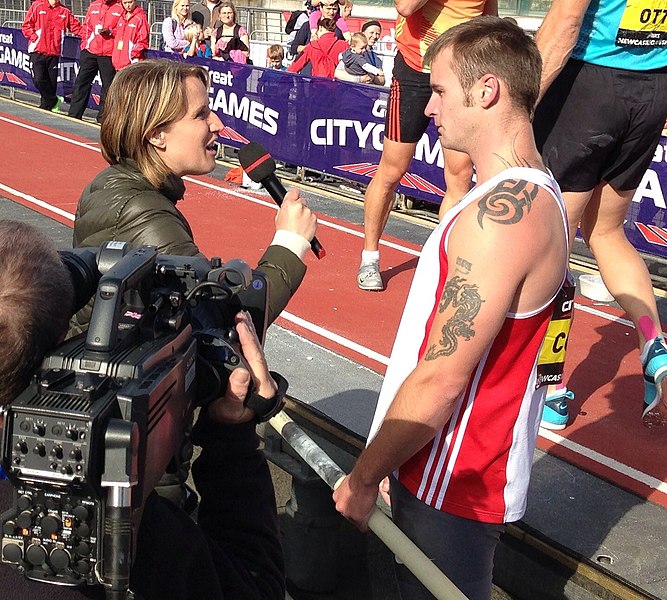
(418, 24)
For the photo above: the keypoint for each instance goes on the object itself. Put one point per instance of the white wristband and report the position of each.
(292, 241)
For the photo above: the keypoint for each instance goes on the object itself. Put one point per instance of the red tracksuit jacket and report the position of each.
(323, 53)
(102, 14)
(44, 27)
(130, 41)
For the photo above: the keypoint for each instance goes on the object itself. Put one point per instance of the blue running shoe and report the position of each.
(554, 414)
(654, 364)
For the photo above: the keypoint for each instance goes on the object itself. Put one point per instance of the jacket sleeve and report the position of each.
(28, 27)
(300, 62)
(168, 36)
(141, 41)
(238, 510)
(284, 271)
(74, 25)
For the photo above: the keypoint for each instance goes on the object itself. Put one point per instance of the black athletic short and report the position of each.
(599, 124)
(408, 96)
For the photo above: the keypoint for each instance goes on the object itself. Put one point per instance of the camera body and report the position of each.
(93, 433)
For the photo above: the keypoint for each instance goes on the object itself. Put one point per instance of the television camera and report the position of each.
(92, 434)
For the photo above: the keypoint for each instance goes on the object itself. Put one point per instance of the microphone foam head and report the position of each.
(256, 162)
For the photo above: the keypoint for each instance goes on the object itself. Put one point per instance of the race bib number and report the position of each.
(551, 360)
(644, 23)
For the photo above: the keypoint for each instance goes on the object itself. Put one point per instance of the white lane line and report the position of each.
(362, 350)
(212, 186)
(604, 315)
(37, 202)
(334, 337)
(606, 461)
(62, 138)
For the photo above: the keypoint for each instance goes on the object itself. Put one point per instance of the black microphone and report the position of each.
(261, 168)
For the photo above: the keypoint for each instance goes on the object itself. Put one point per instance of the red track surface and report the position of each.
(606, 436)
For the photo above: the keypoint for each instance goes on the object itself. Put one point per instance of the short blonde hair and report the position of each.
(276, 52)
(191, 32)
(145, 96)
(358, 38)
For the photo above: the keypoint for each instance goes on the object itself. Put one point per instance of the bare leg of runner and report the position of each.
(458, 177)
(378, 202)
(627, 278)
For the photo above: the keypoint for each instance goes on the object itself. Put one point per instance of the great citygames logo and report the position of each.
(652, 233)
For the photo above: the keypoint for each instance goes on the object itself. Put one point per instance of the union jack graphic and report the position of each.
(11, 78)
(229, 134)
(96, 98)
(409, 180)
(653, 234)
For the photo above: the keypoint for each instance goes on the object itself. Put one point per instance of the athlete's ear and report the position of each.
(488, 88)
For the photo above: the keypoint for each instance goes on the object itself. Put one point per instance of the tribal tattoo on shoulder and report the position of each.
(467, 301)
(508, 202)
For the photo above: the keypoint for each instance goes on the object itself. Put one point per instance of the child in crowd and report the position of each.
(197, 45)
(356, 61)
(274, 57)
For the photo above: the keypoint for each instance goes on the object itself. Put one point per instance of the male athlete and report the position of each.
(605, 102)
(418, 24)
(460, 406)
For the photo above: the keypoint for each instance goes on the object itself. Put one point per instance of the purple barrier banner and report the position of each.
(330, 126)
(15, 65)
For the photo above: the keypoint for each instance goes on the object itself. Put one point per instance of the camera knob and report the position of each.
(59, 559)
(72, 434)
(35, 554)
(12, 553)
(82, 567)
(50, 525)
(8, 528)
(21, 447)
(26, 519)
(39, 429)
(40, 449)
(57, 451)
(81, 512)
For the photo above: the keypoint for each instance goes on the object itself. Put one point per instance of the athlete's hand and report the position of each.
(355, 501)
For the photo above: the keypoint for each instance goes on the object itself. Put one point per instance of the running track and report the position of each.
(46, 170)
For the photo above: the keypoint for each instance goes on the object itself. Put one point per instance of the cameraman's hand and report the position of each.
(295, 216)
(229, 408)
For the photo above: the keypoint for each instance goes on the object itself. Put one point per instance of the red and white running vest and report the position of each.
(478, 465)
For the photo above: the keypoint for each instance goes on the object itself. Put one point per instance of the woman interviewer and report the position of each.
(157, 127)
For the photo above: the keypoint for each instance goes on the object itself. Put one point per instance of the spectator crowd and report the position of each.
(116, 33)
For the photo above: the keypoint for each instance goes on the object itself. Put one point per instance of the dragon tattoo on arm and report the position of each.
(465, 298)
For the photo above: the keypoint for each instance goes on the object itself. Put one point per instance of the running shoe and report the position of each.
(554, 414)
(56, 106)
(369, 278)
(655, 369)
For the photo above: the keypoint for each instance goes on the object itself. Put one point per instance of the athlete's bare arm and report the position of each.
(491, 8)
(557, 36)
(407, 7)
(502, 251)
